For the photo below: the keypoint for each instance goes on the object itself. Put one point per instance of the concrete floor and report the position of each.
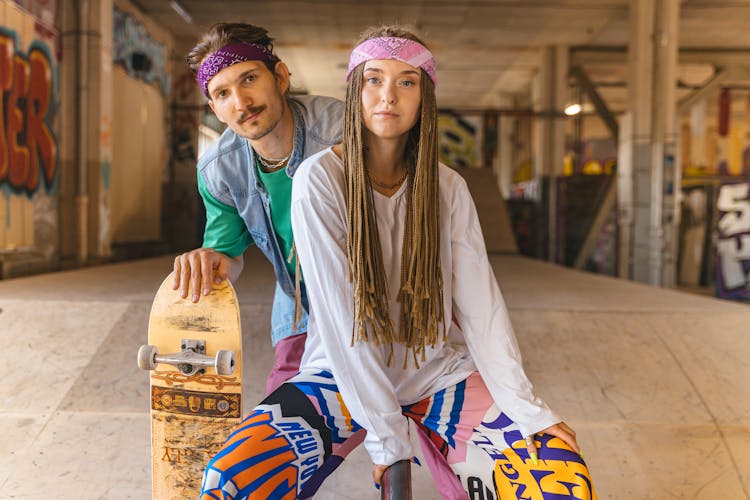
(654, 381)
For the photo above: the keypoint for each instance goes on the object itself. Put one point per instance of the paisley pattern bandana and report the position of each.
(228, 55)
(402, 49)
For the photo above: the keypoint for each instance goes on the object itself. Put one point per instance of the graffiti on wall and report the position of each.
(733, 243)
(45, 14)
(185, 119)
(182, 207)
(105, 175)
(460, 140)
(28, 146)
(140, 55)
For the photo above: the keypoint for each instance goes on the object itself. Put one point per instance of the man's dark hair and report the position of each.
(221, 34)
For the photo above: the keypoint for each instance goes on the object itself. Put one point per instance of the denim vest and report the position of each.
(228, 171)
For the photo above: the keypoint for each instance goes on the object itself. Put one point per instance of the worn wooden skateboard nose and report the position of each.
(396, 482)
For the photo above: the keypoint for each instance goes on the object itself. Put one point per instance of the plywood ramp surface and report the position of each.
(493, 214)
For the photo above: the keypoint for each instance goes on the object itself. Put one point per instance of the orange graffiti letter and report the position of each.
(19, 153)
(41, 142)
(6, 80)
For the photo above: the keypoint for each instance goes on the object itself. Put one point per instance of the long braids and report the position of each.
(363, 242)
(421, 321)
(421, 294)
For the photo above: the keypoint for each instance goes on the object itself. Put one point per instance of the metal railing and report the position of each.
(396, 482)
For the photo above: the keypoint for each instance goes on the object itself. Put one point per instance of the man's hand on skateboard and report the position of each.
(199, 269)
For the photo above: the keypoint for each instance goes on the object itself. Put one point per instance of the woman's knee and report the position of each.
(257, 459)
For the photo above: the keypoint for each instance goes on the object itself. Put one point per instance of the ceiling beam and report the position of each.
(602, 110)
(729, 57)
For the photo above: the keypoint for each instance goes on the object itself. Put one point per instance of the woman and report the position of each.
(407, 320)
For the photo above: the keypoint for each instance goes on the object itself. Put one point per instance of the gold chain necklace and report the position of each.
(383, 185)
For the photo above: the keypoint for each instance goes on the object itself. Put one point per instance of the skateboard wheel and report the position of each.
(224, 362)
(146, 357)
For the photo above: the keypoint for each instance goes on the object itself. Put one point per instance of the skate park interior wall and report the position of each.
(141, 87)
(29, 149)
(138, 157)
(105, 43)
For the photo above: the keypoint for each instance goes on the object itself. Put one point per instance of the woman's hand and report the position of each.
(377, 473)
(560, 430)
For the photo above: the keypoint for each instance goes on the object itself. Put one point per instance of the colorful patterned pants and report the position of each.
(287, 446)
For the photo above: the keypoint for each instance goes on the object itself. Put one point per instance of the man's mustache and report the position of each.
(250, 112)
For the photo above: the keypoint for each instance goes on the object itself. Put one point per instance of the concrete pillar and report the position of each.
(646, 165)
(86, 104)
(560, 99)
(634, 205)
(100, 237)
(503, 165)
(549, 95)
(68, 114)
(541, 98)
(666, 134)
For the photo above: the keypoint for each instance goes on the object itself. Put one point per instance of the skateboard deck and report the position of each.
(194, 355)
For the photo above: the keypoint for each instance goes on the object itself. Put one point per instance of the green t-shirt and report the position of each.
(225, 230)
(279, 187)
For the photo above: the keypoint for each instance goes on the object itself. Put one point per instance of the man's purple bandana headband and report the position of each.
(228, 55)
(402, 49)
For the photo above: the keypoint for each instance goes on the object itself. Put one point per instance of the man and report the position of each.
(245, 178)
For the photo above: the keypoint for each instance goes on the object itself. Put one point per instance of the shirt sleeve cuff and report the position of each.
(547, 419)
(393, 445)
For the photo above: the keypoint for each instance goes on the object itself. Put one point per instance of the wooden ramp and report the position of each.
(493, 214)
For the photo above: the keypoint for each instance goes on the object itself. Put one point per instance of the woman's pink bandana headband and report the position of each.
(390, 47)
(228, 55)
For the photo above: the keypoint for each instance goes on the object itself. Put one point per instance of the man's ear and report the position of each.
(281, 72)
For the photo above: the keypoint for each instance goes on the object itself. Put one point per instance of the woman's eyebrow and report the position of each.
(404, 72)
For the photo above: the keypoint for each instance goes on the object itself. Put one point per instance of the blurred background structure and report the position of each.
(617, 131)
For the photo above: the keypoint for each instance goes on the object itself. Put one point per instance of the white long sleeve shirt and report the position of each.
(374, 392)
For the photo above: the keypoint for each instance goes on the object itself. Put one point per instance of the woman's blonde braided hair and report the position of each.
(421, 290)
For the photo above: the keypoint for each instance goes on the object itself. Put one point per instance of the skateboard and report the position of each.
(194, 355)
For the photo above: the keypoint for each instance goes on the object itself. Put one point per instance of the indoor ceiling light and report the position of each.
(572, 109)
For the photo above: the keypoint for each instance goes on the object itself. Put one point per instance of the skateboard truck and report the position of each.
(396, 482)
(190, 360)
